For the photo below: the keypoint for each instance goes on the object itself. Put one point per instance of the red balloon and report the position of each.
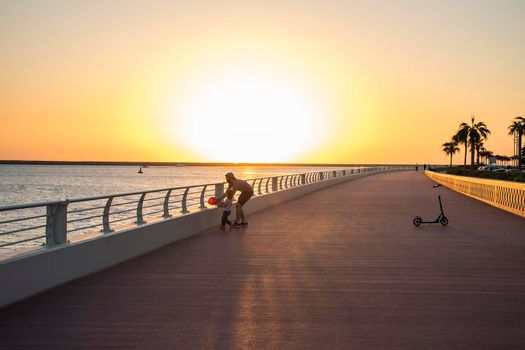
(212, 201)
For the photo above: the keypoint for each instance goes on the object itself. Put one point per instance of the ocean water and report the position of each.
(22, 184)
(33, 183)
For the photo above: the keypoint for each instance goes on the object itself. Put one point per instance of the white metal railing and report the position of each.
(506, 195)
(53, 222)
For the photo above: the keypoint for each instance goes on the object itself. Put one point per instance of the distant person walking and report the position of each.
(417, 167)
(246, 190)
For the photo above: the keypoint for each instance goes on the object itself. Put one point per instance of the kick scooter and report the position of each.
(441, 219)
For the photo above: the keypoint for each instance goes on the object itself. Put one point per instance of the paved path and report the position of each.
(338, 269)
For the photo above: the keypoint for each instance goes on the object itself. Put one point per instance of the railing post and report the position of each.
(106, 228)
(166, 205)
(334, 173)
(321, 176)
(281, 183)
(183, 201)
(259, 187)
(267, 182)
(203, 192)
(219, 190)
(56, 223)
(303, 179)
(274, 184)
(140, 219)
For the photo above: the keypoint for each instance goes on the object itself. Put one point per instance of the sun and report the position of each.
(248, 116)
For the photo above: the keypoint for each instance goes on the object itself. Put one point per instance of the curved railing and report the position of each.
(55, 222)
(505, 195)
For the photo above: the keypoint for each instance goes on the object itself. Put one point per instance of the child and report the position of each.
(226, 209)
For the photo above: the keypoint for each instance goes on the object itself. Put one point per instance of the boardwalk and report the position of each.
(343, 268)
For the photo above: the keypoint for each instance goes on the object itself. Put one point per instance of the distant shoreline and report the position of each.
(63, 162)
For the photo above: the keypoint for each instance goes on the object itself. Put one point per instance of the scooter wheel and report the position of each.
(417, 221)
(443, 221)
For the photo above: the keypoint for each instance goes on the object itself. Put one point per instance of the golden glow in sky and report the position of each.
(273, 81)
(248, 116)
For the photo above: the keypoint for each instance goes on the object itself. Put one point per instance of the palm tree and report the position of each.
(475, 133)
(461, 137)
(486, 154)
(518, 126)
(450, 148)
(479, 147)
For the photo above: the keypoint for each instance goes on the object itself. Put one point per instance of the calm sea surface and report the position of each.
(31, 183)
(21, 184)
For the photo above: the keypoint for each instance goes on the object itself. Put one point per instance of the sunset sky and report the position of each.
(267, 81)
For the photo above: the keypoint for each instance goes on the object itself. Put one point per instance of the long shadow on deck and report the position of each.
(341, 268)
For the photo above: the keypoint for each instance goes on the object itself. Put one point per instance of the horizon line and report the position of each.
(165, 163)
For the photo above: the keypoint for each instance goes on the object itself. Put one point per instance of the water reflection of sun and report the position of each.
(248, 116)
